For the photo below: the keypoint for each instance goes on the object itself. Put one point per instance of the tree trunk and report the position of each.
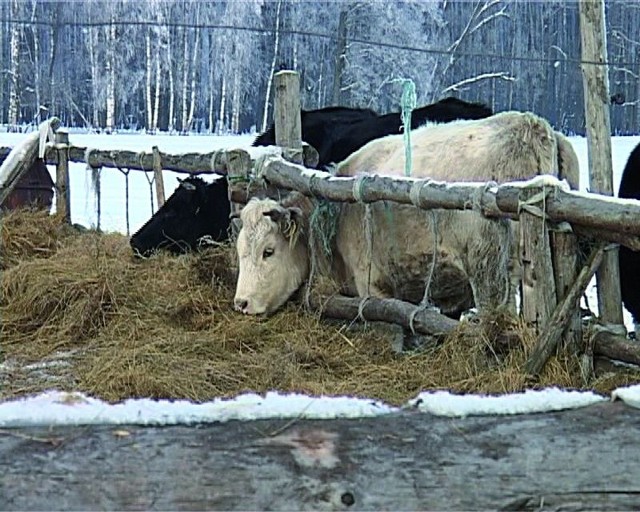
(14, 74)
(93, 68)
(156, 103)
(212, 108)
(53, 51)
(36, 69)
(185, 76)
(235, 101)
(194, 69)
(340, 57)
(147, 76)
(172, 88)
(223, 100)
(111, 77)
(276, 45)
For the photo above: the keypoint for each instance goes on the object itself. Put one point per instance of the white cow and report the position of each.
(471, 253)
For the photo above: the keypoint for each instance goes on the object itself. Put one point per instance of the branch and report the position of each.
(484, 76)
(483, 22)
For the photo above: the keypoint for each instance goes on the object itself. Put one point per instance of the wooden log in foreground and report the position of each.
(548, 339)
(583, 459)
(617, 347)
(384, 310)
(605, 214)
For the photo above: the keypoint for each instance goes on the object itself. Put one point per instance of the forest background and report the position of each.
(195, 66)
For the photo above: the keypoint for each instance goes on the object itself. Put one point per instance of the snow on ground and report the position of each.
(61, 408)
(75, 408)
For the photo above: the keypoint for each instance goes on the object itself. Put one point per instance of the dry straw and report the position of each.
(80, 312)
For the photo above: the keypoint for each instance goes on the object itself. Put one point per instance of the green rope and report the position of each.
(408, 103)
(323, 224)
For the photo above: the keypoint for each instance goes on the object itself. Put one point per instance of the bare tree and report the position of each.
(276, 47)
(14, 73)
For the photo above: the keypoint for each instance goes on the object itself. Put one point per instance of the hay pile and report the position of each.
(79, 312)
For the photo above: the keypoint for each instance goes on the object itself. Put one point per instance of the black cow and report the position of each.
(353, 137)
(336, 132)
(630, 260)
(196, 209)
(317, 128)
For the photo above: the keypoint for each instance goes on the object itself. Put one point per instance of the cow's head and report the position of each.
(273, 256)
(194, 210)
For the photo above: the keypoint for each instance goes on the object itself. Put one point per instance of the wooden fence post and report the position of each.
(595, 81)
(238, 163)
(564, 249)
(538, 286)
(63, 192)
(287, 115)
(157, 175)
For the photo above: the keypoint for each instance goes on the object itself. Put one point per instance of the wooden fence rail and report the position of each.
(607, 218)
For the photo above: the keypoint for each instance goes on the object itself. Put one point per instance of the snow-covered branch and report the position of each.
(485, 76)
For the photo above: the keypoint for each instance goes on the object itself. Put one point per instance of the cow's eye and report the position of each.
(268, 252)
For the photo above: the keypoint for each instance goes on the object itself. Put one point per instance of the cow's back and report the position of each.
(504, 147)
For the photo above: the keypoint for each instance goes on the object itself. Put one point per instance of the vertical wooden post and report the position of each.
(287, 115)
(157, 175)
(564, 249)
(538, 287)
(238, 169)
(63, 192)
(595, 79)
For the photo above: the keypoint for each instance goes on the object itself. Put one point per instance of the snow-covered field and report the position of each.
(60, 408)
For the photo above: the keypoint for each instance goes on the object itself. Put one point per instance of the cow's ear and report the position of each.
(289, 221)
(276, 214)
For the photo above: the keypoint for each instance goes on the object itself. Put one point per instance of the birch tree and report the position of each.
(272, 69)
(14, 72)
(110, 70)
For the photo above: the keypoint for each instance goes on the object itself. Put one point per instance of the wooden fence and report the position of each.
(552, 286)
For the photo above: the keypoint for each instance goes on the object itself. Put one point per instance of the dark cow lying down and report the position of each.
(630, 260)
(196, 209)
(336, 132)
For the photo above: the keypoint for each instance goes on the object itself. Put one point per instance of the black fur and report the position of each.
(194, 210)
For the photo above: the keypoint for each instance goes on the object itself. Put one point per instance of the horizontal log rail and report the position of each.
(610, 218)
(214, 162)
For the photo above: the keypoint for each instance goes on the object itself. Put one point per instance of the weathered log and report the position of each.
(21, 157)
(586, 209)
(287, 121)
(583, 208)
(564, 248)
(548, 339)
(157, 175)
(538, 286)
(617, 347)
(401, 461)
(603, 365)
(63, 191)
(630, 241)
(384, 310)
(184, 163)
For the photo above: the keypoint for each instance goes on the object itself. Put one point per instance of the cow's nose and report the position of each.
(241, 305)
